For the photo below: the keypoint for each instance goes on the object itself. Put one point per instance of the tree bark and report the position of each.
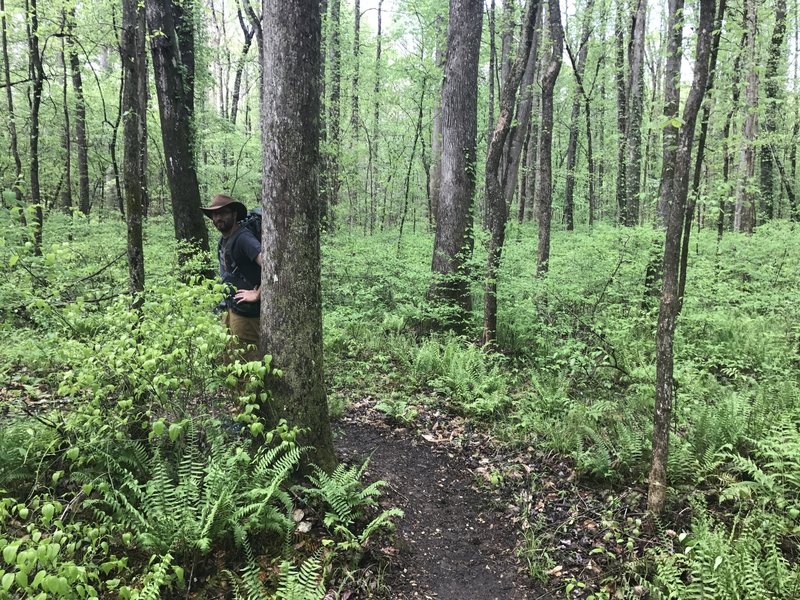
(527, 208)
(436, 134)
(452, 242)
(572, 144)
(355, 119)
(701, 142)
(84, 202)
(672, 97)
(373, 163)
(11, 117)
(772, 92)
(248, 33)
(671, 302)
(497, 210)
(291, 318)
(633, 124)
(173, 65)
(36, 75)
(744, 218)
(66, 132)
(622, 100)
(519, 128)
(333, 119)
(544, 192)
(132, 51)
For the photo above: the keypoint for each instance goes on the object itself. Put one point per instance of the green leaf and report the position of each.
(47, 512)
(174, 431)
(158, 427)
(10, 553)
(8, 581)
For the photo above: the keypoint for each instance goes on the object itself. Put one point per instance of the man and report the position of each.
(240, 267)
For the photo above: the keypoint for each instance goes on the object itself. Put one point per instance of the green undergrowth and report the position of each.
(134, 462)
(574, 371)
(100, 402)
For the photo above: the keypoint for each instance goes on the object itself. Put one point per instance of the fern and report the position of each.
(301, 583)
(190, 502)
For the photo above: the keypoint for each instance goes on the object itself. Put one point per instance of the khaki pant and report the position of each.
(247, 330)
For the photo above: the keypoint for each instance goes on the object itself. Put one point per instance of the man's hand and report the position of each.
(247, 295)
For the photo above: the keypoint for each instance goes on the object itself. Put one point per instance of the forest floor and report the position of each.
(483, 521)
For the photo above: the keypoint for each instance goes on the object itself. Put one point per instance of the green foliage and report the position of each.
(741, 560)
(470, 377)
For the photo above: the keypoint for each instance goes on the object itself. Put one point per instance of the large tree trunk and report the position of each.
(672, 97)
(132, 51)
(670, 301)
(544, 191)
(744, 218)
(633, 124)
(291, 315)
(572, 144)
(459, 130)
(497, 209)
(84, 202)
(173, 64)
(772, 90)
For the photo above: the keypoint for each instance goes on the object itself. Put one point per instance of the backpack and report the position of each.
(251, 222)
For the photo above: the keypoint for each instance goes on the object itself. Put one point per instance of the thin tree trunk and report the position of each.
(497, 209)
(334, 116)
(744, 217)
(622, 100)
(572, 144)
(11, 117)
(36, 75)
(670, 300)
(633, 125)
(544, 192)
(492, 70)
(82, 146)
(701, 143)
(417, 135)
(66, 132)
(355, 119)
(373, 186)
(248, 34)
(132, 50)
(291, 319)
(772, 90)
(528, 208)
(519, 128)
(727, 159)
(436, 133)
(672, 96)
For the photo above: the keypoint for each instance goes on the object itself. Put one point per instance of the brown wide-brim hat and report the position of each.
(221, 201)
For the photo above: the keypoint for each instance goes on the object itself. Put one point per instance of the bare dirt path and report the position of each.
(456, 541)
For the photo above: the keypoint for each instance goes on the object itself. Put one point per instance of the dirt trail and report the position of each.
(453, 544)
